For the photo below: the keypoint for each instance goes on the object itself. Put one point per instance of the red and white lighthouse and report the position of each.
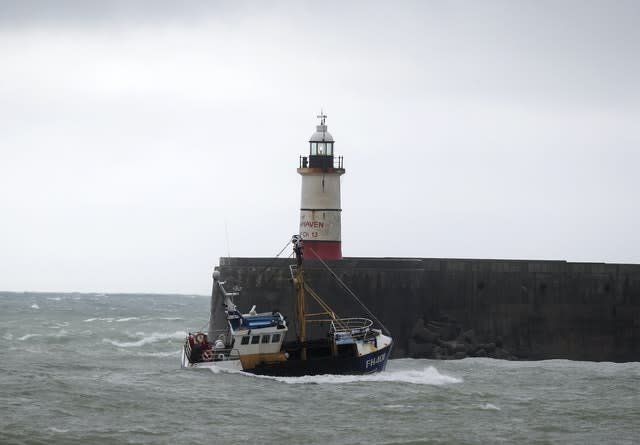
(320, 204)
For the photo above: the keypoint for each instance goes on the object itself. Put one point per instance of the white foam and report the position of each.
(219, 370)
(108, 320)
(58, 430)
(28, 336)
(54, 298)
(398, 406)
(428, 376)
(147, 339)
(490, 406)
(8, 336)
(35, 306)
(120, 320)
(60, 333)
(64, 324)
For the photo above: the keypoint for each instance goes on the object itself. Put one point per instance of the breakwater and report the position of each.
(445, 308)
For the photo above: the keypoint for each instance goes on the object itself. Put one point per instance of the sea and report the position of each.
(104, 369)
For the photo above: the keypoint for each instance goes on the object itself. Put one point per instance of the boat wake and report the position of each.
(426, 376)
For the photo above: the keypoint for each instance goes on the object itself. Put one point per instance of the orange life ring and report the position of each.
(207, 356)
(199, 338)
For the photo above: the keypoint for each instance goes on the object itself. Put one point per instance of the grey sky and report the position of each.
(132, 133)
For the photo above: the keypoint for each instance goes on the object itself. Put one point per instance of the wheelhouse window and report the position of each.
(265, 339)
(255, 339)
(275, 338)
(245, 340)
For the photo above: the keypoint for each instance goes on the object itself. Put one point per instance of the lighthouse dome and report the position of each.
(321, 135)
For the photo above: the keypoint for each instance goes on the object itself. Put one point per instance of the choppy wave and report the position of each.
(124, 319)
(58, 430)
(57, 325)
(105, 319)
(147, 339)
(490, 406)
(60, 333)
(35, 306)
(27, 337)
(397, 407)
(120, 320)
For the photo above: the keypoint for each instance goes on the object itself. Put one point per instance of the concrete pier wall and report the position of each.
(532, 309)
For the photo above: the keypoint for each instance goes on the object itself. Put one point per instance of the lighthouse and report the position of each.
(320, 203)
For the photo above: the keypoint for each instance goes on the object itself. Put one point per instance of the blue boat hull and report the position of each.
(365, 364)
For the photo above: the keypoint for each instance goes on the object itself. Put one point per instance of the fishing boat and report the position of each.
(257, 343)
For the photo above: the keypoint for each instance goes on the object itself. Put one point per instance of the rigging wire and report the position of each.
(270, 265)
(285, 246)
(350, 292)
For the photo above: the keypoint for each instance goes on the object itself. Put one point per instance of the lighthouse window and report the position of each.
(245, 340)
(275, 338)
(321, 147)
(255, 339)
(265, 338)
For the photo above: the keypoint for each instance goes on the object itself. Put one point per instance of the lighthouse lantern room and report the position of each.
(320, 204)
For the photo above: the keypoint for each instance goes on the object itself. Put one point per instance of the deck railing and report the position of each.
(337, 161)
(356, 328)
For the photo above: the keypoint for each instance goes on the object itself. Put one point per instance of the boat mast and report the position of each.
(299, 282)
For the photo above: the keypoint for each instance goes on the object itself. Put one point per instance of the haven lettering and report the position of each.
(312, 224)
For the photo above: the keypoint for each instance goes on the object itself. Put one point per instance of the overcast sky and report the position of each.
(141, 141)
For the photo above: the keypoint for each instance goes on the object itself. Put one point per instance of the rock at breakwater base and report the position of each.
(444, 339)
